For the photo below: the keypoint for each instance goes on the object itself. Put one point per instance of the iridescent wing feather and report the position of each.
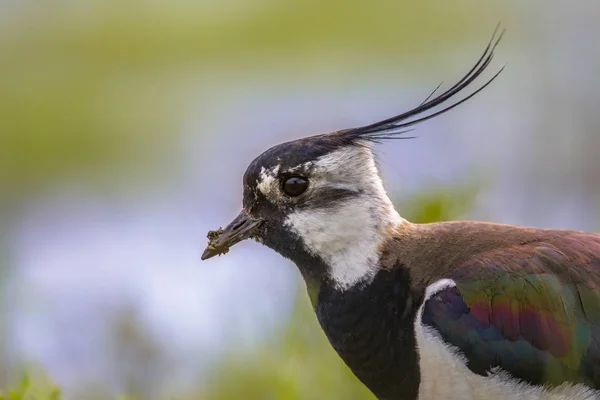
(532, 310)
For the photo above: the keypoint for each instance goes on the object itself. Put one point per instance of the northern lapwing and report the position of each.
(453, 310)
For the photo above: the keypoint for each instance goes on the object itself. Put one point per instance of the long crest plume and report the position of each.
(395, 127)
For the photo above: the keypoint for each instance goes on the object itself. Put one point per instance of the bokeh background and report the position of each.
(126, 126)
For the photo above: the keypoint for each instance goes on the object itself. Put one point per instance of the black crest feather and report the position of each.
(395, 127)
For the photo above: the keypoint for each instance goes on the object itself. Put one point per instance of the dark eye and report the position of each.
(294, 186)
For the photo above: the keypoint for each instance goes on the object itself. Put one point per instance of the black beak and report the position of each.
(242, 227)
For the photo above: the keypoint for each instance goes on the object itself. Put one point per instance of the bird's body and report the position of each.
(402, 332)
(454, 310)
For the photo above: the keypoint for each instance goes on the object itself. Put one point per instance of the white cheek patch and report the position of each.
(345, 235)
(345, 238)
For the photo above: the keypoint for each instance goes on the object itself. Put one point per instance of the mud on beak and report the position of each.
(242, 227)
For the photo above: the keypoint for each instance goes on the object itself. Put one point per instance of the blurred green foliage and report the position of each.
(441, 202)
(37, 388)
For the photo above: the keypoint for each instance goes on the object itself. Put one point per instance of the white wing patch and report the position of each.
(445, 375)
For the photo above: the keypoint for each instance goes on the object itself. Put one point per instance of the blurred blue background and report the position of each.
(126, 126)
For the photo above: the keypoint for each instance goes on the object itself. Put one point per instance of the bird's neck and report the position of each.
(347, 238)
(372, 329)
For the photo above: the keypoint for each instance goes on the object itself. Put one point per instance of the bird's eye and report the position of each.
(294, 186)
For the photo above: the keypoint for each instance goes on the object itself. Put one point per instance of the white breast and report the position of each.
(445, 376)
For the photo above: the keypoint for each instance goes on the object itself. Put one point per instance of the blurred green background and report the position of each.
(125, 128)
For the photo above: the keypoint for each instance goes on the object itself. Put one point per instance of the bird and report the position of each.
(447, 310)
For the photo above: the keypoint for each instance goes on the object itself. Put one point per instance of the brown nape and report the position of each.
(431, 251)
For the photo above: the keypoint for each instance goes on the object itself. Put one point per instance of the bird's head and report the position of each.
(320, 200)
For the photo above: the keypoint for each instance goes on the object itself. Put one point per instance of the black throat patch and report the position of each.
(372, 329)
